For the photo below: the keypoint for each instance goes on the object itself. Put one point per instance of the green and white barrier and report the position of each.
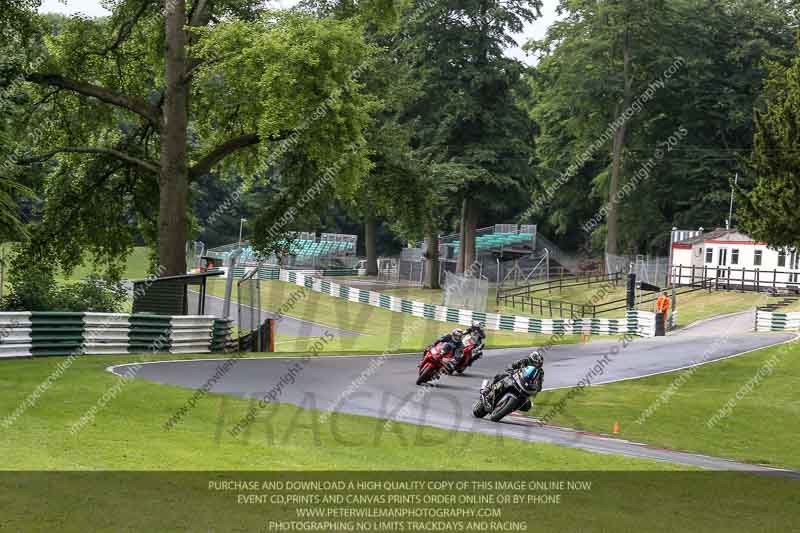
(42, 333)
(767, 321)
(264, 272)
(222, 336)
(639, 323)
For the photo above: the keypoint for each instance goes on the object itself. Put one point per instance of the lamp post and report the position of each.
(241, 225)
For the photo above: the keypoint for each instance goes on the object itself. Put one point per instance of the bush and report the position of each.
(92, 294)
(35, 289)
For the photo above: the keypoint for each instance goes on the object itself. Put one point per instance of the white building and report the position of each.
(732, 259)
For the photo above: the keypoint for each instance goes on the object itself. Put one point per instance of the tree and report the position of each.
(469, 133)
(17, 23)
(147, 101)
(768, 212)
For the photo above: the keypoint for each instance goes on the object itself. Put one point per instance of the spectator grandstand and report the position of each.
(304, 250)
(496, 241)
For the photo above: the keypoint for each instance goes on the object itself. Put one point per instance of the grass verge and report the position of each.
(744, 408)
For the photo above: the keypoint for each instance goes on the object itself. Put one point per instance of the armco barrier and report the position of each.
(766, 321)
(639, 323)
(222, 336)
(41, 333)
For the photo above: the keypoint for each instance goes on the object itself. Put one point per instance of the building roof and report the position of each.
(717, 234)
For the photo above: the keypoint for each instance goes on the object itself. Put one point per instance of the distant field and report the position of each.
(137, 265)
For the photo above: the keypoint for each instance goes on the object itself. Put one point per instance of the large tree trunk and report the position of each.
(173, 179)
(469, 222)
(432, 259)
(612, 232)
(370, 243)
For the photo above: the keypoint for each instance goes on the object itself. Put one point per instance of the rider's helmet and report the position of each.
(536, 359)
(478, 324)
(457, 334)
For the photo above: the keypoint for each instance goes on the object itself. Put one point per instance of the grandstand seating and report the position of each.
(298, 247)
(321, 248)
(496, 240)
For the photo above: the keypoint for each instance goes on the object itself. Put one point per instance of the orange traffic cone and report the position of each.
(616, 427)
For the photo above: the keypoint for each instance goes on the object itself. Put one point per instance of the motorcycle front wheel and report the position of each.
(478, 409)
(505, 406)
(425, 374)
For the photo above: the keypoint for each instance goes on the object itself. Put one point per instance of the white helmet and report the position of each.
(457, 334)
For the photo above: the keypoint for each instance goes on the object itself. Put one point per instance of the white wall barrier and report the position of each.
(767, 321)
(41, 333)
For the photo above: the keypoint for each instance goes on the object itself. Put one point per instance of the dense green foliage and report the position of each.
(769, 210)
(468, 133)
(705, 63)
(35, 288)
(270, 96)
(406, 115)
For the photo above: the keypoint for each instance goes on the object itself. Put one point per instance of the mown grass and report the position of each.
(137, 265)
(678, 409)
(128, 433)
(381, 329)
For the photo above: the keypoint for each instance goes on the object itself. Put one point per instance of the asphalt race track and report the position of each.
(383, 387)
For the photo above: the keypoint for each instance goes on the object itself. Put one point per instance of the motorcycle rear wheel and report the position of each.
(505, 406)
(425, 374)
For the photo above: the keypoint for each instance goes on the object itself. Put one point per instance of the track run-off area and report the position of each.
(383, 386)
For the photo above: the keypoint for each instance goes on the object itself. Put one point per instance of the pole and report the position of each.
(241, 225)
(729, 222)
(630, 292)
(547, 263)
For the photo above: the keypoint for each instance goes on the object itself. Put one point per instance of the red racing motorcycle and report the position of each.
(434, 363)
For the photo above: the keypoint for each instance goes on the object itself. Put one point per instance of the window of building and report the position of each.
(709, 255)
(757, 258)
(734, 257)
(782, 258)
